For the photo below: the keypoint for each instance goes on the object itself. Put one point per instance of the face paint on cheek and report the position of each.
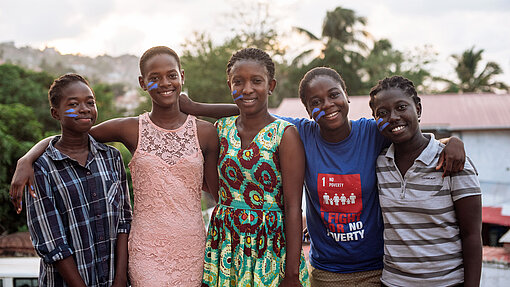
(152, 85)
(381, 128)
(69, 115)
(234, 93)
(319, 115)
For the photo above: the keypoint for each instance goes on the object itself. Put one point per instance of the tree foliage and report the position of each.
(469, 76)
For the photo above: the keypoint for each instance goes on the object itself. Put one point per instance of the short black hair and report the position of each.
(55, 91)
(397, 82)
(315, 72)
(252, 54)
(158, 50)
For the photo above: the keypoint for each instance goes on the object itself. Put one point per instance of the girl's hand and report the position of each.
(291, 280)
(453, 156)
(23, 176)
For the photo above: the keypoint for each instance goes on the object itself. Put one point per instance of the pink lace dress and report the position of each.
(167, 239)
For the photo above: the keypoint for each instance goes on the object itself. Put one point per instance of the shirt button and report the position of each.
(94, 194)
(104, 259)
(98, 216)
(101, 238)
(88, 172)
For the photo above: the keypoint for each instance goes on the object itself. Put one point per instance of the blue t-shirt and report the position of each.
(343, 214)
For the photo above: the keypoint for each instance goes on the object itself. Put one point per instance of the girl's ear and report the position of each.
(142, 83)
(54, 113)
(272, 86)
(418, 111)
(182, 76)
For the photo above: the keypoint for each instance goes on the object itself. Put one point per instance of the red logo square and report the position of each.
(340, 192)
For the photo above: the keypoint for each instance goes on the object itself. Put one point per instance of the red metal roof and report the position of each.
(496, 254)
(493, 215)
(446, 111)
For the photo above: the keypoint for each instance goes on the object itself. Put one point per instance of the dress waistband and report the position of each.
(239, 205)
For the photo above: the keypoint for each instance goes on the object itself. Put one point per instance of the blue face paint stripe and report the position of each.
(155, 86)
(315, 110)
(379, 121)
(71, 115)
(240, 97)
(70, 111)
(319, 116)
(234, 92)
(383, 126)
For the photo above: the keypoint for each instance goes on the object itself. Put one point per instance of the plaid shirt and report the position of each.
(79, 210)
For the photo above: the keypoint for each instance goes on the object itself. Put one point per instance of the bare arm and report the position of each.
(67, 268)
(452, 157)
(469, 215)
(209, 143)
(121, 260)
(24, 174)
(123, 130)
(206, 110)
(292, 161)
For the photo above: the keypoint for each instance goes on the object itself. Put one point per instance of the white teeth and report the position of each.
(399, 128)
(249, 101)
(331, 115)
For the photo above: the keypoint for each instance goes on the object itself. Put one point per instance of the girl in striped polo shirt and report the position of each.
(432, 224)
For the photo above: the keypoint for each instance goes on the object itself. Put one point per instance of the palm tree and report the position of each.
(339, 30)
(468, 78)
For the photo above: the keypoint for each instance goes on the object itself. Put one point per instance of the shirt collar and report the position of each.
(55, 154)
(426, 156)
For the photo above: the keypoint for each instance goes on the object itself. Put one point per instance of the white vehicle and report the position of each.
(19, 271)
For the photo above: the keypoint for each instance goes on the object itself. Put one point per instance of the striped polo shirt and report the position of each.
(422, 245)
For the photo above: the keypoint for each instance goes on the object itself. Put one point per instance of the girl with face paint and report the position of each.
(414, 195)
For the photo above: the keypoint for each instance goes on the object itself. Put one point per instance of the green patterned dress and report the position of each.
(246, 239)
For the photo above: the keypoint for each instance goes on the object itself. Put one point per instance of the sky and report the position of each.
(116, 27)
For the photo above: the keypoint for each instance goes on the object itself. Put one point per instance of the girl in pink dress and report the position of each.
(172, 154)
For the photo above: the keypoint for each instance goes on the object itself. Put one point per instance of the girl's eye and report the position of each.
(314, 103)
(153, 79)
(381, 113)
(334, 95)
(401, 107)
(173, 76)
(73, 104)
(92, 103)
(257, 81)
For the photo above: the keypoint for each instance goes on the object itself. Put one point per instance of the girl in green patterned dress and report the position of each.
(254, 237)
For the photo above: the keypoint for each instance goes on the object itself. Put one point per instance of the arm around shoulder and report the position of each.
(123, 130)
(292, 162)
(209, 143)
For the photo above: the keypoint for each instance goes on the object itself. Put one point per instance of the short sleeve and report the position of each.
(465, 183)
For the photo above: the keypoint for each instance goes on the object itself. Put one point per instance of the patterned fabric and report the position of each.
(321, 278)
(78, 211)
(246, 239)
(421, 233)
(167, 240)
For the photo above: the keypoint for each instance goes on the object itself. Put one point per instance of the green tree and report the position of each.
(19, 129)
(469, 76)
(343, 45)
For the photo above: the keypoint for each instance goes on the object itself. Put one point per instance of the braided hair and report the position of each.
(58, 85)
(397, 82)
(252, 54)
(158, 50)
(315, 72)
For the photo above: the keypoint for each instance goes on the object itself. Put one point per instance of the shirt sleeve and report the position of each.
(465, 183)
(44, 222)
(125, 216)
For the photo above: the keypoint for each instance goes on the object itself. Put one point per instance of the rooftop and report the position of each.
(452, 112)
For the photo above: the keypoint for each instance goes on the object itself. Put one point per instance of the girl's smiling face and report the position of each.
(250, 85)
(162, 79)
(76, 110)
(326, 102)
(397, 115)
